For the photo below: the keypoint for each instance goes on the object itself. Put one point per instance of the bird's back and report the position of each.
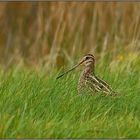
(88, 82)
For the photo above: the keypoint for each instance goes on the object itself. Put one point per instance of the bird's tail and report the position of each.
(114, 93)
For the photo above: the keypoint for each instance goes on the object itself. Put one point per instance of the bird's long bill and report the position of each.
(68, 70)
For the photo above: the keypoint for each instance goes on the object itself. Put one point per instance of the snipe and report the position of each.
(88, 80)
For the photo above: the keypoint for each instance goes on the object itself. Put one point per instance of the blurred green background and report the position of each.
(54, 34)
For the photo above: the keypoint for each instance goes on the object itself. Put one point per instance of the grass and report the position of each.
(35, 105)
(55, 33)
(48, 36)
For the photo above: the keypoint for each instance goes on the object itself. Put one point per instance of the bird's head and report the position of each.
(87, 60)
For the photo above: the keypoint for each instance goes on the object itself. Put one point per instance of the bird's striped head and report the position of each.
(87, 60)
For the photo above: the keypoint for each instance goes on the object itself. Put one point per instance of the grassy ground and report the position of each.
(35, 105)
(50, 35)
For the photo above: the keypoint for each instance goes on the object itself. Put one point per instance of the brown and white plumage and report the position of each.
(88, 81)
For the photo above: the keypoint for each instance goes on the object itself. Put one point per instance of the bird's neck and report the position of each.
(89, 69)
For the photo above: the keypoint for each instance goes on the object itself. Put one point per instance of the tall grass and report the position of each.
(49, 34)
(36, 105)
(44, 36)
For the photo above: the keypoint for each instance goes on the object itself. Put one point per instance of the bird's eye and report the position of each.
(87, 57)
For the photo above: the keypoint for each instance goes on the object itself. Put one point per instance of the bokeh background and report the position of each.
(54, 34)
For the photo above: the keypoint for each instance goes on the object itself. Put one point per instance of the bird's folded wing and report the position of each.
(98, 84)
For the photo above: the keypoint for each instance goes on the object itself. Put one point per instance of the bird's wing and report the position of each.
(92, 85)
(99, 84)
(86, 85)
(103, 82)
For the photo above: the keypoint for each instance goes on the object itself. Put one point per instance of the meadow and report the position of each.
(39, 43)
(36, 105)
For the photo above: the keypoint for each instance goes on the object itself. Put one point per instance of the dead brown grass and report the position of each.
(52, 33)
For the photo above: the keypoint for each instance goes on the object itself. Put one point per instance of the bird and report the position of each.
(88, 81)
